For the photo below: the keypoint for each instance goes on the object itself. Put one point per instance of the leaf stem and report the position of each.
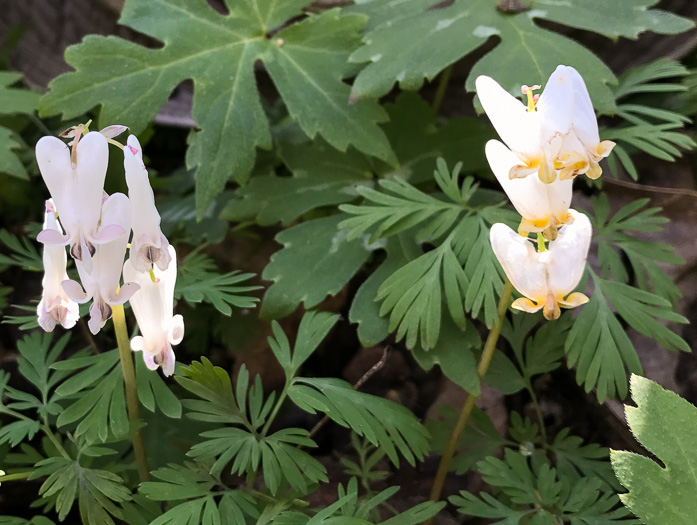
(49, 433)
(277, 407)
(468, 405)
(15, 476)
(129, 380)
(442, 87)
(538, 411)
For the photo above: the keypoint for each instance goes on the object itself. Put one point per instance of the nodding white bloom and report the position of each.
(556, 134)
(153, 307)
(102, 282)
(543, 207)
(77, 190)
(55, 306)
(149, 245)
(545, 278)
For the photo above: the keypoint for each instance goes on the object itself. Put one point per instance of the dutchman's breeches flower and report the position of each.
(543, 207)
(149, 245)
(102, 282)
(55, 306)
(545, 278)
(555, 136)
(76, 183)
(153, 307)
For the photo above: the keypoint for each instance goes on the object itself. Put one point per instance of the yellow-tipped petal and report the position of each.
(594, 172)
(551, 309)
(526, 305)
(575, 299)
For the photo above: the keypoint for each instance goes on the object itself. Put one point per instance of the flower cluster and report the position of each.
(96, 227)
(548, 142)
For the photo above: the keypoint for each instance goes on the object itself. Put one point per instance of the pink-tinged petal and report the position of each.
(176, 331)
(150, 361)
(520, 262)
(108, 233)
(567, 254)
(168, 361)
(113, 131)
(96, 320)
(44, 317)
(72, 315)
(74, 291)
(125, 293)
(53, 237)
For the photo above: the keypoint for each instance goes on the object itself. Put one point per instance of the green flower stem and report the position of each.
(442, 86)
(129, 380)
(467, 407)
(15, 476)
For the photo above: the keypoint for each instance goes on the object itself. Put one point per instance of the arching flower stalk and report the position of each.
(546, 278)
(149, 245)
(555, 136)
(153, 307)
(101, 284)
(55, 306)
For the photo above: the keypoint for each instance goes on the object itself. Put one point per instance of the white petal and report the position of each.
(147, 246)
(520, 261)
(529, 195)
(176, 330)
(585, 124)
(148, 309)
(109, 257)
(556, 102)
(567, 254)
(92, 160)
(518, 128)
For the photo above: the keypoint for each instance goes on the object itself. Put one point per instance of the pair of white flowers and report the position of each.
(97, 227)
(548, 142)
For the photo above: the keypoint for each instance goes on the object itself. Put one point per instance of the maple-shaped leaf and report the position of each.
(307, 62)
(13, 101)
(424, 43)
(665, 425)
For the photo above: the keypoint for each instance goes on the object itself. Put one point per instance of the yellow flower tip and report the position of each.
(550, 232)
(594, 172)
(551, 309)
(533, 225)
(526, 305)
(547, 173)
(605, 148)
(573, 300)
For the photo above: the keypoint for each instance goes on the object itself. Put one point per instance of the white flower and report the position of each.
(102, 283)
(77, 193)
(557, 134)
(545, 278)
(55, 306)
(543, 207)
(153, 307)
(149, 245)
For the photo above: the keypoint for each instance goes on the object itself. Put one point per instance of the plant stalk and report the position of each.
(468, 405)
(442, 87)
(129, 380)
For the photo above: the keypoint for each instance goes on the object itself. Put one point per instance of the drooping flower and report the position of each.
(55, 306)
(149, 245)
(547, 278)
(543, 207)
(556, 135)
(153, 307)
(101, 284)
(77, 188)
